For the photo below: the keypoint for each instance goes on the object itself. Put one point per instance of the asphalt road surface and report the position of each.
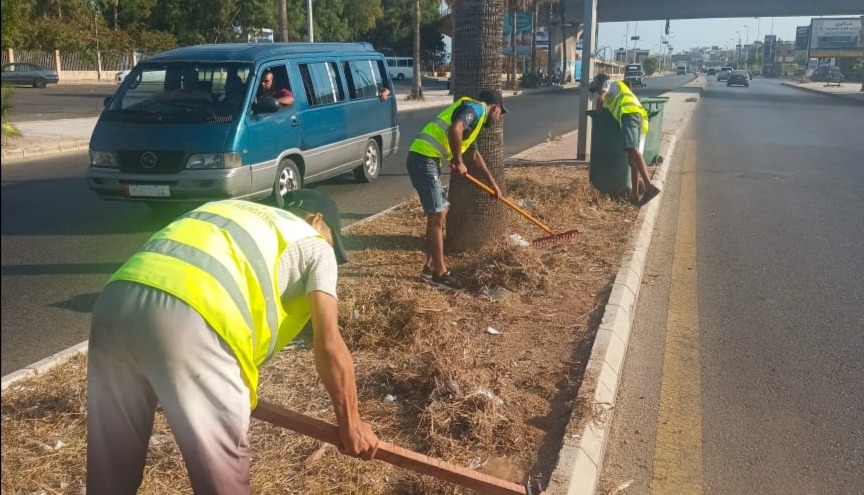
(744, 373)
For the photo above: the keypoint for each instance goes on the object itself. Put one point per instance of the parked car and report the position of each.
(118, 77)
(712, 71)
(827, 73)
(634, 75)
(34, 75)
(724, 73)
(738, 78)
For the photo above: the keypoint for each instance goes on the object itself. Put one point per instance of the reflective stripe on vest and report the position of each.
(625, 102)
(432, 139)
(222, 260)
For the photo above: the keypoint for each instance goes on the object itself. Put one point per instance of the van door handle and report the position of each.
(295, 123)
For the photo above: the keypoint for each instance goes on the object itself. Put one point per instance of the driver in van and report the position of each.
(267, 88)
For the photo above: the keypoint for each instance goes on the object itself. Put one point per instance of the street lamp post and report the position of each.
(309, 19)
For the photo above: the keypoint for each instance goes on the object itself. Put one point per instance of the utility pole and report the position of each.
(309, 17)
(283, 20)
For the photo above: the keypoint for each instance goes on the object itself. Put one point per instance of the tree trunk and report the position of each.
(417, 86)
(283, 19)
(475, 218)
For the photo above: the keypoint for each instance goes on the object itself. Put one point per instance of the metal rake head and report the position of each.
(556, 238)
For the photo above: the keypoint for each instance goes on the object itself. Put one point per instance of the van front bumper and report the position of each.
(185, 186)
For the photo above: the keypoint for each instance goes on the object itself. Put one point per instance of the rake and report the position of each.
(395, 455)
(548, 240)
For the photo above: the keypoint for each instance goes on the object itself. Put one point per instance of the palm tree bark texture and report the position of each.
(475, 218)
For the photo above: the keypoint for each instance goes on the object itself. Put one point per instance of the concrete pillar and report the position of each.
(11, 53)
(57, 63)
(589, 40)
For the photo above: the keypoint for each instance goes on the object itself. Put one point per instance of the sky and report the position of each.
(686, 34)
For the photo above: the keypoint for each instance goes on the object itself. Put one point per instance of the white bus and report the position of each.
(401, 67)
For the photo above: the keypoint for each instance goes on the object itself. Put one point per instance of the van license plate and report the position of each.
(149, 191)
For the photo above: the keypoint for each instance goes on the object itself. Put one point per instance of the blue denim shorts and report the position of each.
(631, 128)
(425, 176)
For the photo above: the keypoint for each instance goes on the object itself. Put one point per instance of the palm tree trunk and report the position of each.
(283, 19)
(475, 218)
(417, 87)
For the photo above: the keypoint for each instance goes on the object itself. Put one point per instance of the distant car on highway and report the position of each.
(634, 75)
(118, 77)
(738, 78)
(712, 71)
(724, 72)
(34, 75)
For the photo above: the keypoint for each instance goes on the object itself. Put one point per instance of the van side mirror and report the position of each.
(107, 101)
(265, 104)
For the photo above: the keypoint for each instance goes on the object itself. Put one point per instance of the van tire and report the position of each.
(370, 164)
(288, 178)
(400, 77)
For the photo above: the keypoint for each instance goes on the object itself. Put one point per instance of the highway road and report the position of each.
(744, 373)
(60, 243)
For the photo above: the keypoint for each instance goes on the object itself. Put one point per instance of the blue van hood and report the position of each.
(189, 138)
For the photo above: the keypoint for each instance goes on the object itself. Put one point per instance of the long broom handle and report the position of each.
(389, 453)
(509, 203)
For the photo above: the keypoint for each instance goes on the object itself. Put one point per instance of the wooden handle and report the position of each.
(392, 454)
(509, 203)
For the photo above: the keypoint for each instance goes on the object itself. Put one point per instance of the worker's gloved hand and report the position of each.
(358, 441)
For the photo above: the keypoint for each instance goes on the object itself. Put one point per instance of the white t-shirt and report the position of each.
(611, 89)
(306, 266)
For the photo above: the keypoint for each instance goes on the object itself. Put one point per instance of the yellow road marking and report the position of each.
(677, 467)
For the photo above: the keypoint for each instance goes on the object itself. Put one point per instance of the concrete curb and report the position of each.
(844, 96)
(16, 153)
(580, 460)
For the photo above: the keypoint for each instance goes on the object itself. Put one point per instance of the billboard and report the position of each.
(835, 37)
(802, 37)
(524, 33)
(769, 49)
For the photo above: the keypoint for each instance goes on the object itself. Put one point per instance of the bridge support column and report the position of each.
(589, 40)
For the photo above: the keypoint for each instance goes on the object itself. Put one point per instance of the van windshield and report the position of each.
(181, 92)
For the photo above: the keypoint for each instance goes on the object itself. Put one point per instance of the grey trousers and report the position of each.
(148, 347)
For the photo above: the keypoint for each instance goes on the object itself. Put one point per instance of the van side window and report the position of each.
(364, 78)
(277, 86)
(322, 83)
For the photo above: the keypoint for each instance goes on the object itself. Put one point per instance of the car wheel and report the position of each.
(288, 179)
(400, 77)
(370, 166)
(40, 82)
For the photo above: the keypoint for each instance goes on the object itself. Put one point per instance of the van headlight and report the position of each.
(105, 159)
(214, 160)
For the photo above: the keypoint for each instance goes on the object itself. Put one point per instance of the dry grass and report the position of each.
(430, 377)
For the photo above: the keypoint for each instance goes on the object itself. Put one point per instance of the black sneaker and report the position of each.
(426, 273)
(447, 281)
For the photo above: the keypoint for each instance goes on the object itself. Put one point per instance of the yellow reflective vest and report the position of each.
(432, 139)
(625, 102)
(222, 260)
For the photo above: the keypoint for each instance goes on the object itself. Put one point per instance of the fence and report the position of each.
(80, 66)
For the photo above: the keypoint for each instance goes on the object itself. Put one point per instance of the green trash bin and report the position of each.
(608, 170)
(654, 107)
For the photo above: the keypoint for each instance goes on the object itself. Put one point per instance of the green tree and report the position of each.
(475, 218)
(650, 65)
(15, 14)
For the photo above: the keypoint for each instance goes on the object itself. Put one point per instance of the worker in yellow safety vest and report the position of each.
(450, 137)
(619, 100)
(187, 321)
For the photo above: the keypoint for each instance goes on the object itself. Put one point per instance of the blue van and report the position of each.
(196, 124)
